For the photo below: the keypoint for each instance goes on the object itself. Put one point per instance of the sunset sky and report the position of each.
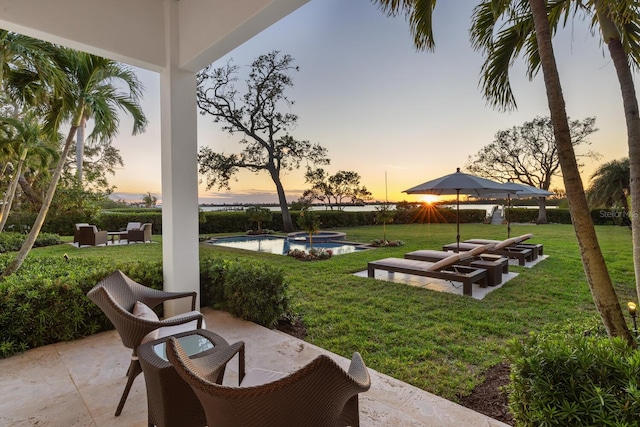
(379, 106)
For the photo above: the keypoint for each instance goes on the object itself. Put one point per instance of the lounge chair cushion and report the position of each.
(480, 249)
(508, 242)
(445, 262)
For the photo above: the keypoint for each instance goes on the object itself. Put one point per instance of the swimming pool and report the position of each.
(281, 245)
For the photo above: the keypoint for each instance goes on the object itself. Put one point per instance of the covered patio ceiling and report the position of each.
(175, 38)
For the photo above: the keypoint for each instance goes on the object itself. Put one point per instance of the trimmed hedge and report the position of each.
(12, 241)
(214, 222)
(45, 301)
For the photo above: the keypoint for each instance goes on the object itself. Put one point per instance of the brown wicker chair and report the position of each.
(86, 234)
(142, 234)
(321, 393)
(117, 296)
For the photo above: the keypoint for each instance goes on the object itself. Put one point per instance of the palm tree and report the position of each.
(517, 13)
(611, 185)
(602, 290)
(618, 24)
(27, 71)
(29, 143)
(91, 91)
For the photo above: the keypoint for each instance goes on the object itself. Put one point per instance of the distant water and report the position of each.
(365, 208)
(489, 208)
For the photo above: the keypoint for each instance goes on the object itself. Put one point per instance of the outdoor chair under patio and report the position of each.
(129, 306)
(319, 394)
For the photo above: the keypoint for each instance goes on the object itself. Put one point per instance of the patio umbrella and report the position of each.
(457, 183)
(519, 191)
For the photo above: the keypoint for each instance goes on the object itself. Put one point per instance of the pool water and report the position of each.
(281, 245)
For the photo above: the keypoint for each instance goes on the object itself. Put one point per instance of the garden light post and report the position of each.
(632, 312)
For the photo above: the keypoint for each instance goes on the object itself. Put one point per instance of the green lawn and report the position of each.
(440, 342)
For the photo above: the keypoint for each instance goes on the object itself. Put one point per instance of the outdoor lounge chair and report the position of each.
(128, 305)
(496, 265)
(319, 394)
(505, 248)
(86, 234)
(446, 269)
(140, 234)
(538, 248)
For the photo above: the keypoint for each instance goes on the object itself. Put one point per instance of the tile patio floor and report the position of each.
(79, 383)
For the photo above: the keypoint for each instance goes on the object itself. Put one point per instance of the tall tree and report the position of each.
(618, 23)
(602, 290)
(610, 185)
(528, 154)
(516, 13)
(337, 189)
(256, 116)
(621, 32)
(92, 85)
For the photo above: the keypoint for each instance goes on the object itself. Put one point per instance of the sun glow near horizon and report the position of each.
(429, 198)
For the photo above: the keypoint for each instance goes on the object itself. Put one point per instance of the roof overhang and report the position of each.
(135, 31)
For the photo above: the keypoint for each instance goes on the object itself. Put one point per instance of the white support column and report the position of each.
(179, 172)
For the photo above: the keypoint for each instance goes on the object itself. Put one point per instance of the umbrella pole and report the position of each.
(508, 216)
(457, 220)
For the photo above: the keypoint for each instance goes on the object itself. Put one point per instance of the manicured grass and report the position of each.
(440, 342)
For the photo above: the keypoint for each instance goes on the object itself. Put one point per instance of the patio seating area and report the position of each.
(89, 235)
(79, 383)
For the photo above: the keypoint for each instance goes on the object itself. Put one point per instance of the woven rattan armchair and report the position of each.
(117, 295)
(141, 234)
(319, 394)
(89, 235)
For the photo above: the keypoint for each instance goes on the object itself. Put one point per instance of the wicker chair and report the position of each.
(118, 296)
(321, 393)
(86, 234)
(141, 234)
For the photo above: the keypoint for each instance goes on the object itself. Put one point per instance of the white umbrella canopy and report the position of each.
(457, 183)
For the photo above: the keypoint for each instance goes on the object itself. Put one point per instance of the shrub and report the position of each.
(259, 215)
(378, 243)
(12, 241)
(572, 378)
(212, 278)
(256, 292)
(314, 254)
(45, 301)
